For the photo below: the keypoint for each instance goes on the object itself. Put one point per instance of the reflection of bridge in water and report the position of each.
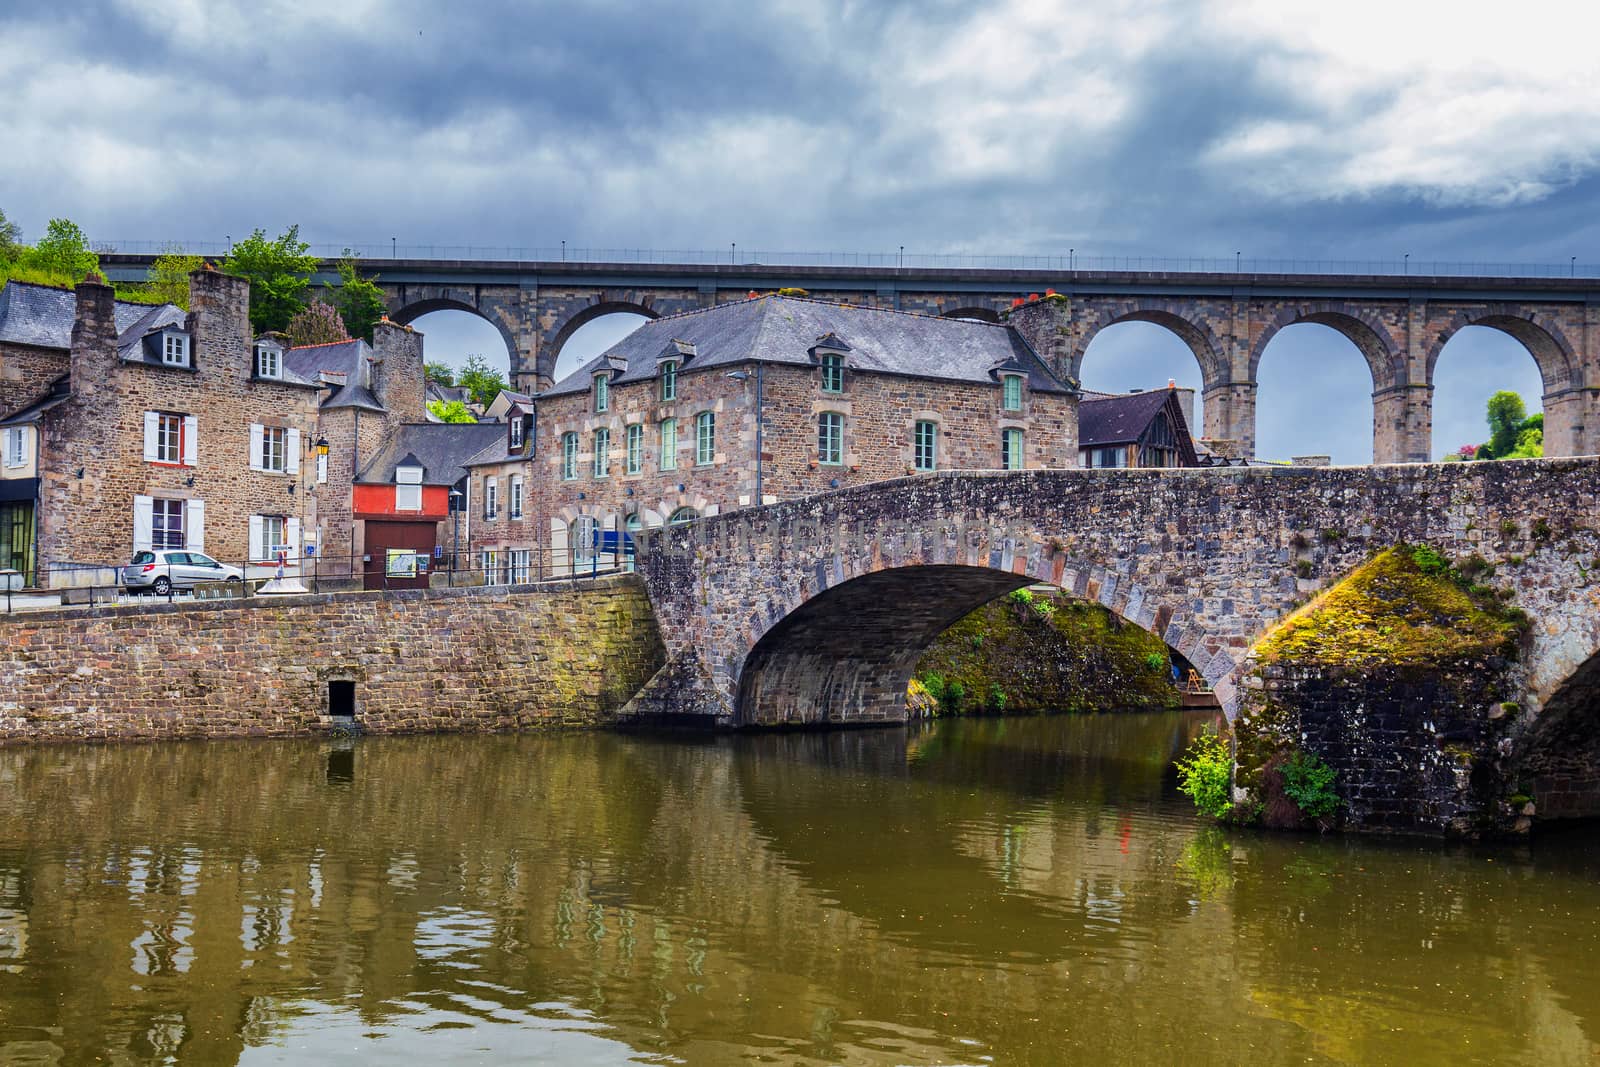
(819, 893)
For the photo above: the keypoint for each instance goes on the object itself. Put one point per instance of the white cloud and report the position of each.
(1471, 104)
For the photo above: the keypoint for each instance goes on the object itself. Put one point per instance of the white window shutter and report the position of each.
(7, 443)
(191, 441)
(293, 534)
(194, 526)
(143, 521)
(257, 434)
(292, 460)
(257, 551)
(152, 430)
(322, 469)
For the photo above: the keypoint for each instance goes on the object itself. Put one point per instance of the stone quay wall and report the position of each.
(563, 654)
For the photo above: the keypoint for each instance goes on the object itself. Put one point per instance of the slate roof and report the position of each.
(42, 315)
(59, 392)
(784, 330)
(346, 358)
(442, 448)
(131, 346)
(498, 451)
(1117, 419)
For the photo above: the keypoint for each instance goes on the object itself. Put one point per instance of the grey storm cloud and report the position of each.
(1279, 128)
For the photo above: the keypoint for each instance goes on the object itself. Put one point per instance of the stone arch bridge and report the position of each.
(815, 611)
(1399, 324)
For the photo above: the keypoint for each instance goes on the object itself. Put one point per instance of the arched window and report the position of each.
(585, 532)
(830, 438)
(683, 515)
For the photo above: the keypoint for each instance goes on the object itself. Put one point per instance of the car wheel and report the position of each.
(163, 585)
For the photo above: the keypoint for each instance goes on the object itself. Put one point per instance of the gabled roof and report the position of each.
(441, 448)
(784, 330)
(1122, 419)
(131, 346)
(504, 399)
(42, 315)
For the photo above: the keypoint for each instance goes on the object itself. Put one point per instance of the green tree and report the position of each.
(279, 271)
(439, 373)
(169, 277)
(1513, 433)
(64, 250)
(359, 300)
(11, 246)
(316, 324)
(454, 411)
(484, 382)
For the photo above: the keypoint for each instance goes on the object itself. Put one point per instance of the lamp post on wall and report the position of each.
(455, 537)
(743, 375)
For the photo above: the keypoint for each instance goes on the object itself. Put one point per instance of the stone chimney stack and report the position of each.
(94, 336)
(219, 320)
(1045, 322)
(397, 372)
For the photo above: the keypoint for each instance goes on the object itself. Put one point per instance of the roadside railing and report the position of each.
(1400, 265)
(76, 584)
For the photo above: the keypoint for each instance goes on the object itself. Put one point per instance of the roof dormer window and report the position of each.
(602, 392)
(269, 361)
(516, 432)
(175, 349)
(1011, 392)
(408, 485)
(832, 373)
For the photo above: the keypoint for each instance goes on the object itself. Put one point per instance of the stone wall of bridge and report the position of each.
(454, 660)
(812, 611)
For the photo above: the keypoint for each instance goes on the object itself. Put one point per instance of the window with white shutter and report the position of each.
(195, 526)
(143, 508)
(257, 531)
(291, 457)
(257, 432)
(152, 436)
(16, 446)
(191, 441)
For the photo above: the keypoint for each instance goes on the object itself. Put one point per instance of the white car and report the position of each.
(162, 571)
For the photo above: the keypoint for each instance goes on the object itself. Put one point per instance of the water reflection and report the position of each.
(1026, 891)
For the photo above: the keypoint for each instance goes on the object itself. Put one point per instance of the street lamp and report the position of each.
(739, 376)
(455, 542)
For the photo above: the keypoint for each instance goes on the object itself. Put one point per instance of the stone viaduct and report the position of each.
(1399, 324)
(815, 611)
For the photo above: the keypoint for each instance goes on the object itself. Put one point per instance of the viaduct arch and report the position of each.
(1400, 324)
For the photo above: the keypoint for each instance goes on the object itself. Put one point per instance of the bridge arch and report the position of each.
(1361, 327)
(550, 351)
(1560, 366)
(406, 313)
(979, 314)
(1195, 332)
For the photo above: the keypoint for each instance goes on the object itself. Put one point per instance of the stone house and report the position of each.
(1143, 429)
(169, 429)
(129, 427)
(506, 532)
(664, 426)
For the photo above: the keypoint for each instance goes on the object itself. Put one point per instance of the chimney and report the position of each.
(219, 321)
(94, 335)
(397, 373)
(1047, 327)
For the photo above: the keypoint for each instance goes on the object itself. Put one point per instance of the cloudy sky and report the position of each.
(1279, 128)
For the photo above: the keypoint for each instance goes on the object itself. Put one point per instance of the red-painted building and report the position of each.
(403, 505)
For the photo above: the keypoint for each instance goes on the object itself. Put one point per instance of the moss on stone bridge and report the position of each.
(1032, 652)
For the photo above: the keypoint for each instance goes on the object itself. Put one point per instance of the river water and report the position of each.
(1026, 890)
